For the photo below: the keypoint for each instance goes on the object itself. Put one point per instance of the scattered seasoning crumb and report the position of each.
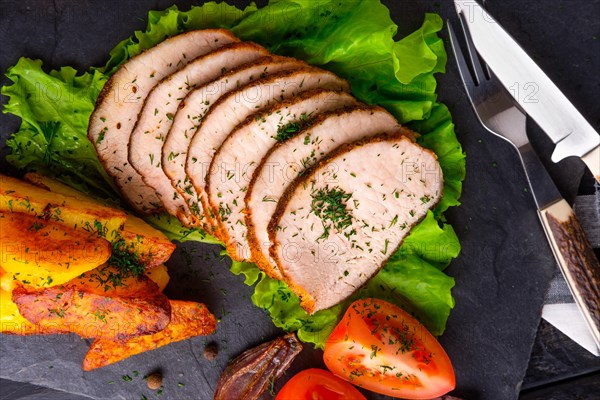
(154, 381)
(211, 351)
(181, 384)
(127, 378)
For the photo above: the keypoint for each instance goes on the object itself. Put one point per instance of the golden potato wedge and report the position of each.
(188, 319)
(159, 275)
(46, 253)
(20, 196)
(11, 321)
(151, 245)
(6, 281)
(103, 303)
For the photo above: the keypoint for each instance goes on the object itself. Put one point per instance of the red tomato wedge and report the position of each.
(318, 384)
(380, 347)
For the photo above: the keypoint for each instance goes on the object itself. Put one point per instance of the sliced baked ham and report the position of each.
(243, 149)
(122, 98)
(286, 160)
(192, 110)
(235, 107)
(337, 225)
(160, 106)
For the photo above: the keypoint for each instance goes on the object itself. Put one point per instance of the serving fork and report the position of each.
(498, 113)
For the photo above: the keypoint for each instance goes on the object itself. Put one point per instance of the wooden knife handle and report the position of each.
(592, 160)
(576, 259)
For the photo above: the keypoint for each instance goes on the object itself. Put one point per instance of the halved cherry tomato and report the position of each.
(380, 347)
(318, 384)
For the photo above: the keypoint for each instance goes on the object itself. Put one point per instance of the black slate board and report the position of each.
(501, 275)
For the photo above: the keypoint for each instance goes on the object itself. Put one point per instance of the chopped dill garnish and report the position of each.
(290, 129)
(330, 206)
(125, 259)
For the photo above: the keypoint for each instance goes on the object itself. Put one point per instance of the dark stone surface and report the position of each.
(554, 357)
(501, 275)
(11, 390)
(579, 388)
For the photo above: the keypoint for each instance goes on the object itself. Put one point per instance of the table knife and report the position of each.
(544, 102)
(498, 112)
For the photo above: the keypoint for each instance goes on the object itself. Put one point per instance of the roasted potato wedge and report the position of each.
(41, 252)
(11, 321)
(103, 303)
(151, 245)
(188, 319)
(159, 275)
(19, 196)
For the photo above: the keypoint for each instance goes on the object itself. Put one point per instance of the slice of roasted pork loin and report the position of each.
(156, 117)
(286, 160)
(337, 225)
(122, 98)
(193, 108)
(243, 149)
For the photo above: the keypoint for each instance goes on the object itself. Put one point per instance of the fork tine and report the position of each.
(473, 56)
(463, 67)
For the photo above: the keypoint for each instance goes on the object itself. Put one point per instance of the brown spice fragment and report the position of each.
(154, 381)
(211, 351)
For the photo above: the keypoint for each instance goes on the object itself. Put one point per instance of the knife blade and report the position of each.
(546, 104)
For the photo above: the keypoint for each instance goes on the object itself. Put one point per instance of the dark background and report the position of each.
(501, 275)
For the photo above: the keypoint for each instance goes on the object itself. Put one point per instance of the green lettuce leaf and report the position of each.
(171, 227)
(438, 135)
(432, 241)
(54, 109)
(354, 39)
(417, 286)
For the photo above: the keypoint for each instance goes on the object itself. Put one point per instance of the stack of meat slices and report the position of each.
(269, 154)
